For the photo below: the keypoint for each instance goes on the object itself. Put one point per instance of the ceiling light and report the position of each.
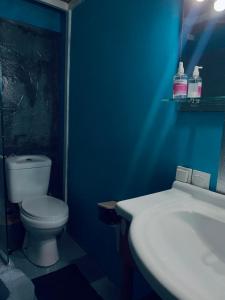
(219, 5)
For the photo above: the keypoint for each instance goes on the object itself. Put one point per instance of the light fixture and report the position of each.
(219, 5)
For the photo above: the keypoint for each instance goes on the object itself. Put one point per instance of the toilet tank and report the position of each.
(27, 176)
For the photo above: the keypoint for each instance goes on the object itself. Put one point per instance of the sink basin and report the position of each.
(178, 243)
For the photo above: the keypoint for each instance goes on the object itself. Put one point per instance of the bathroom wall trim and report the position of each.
(67, 102)
(74, 3)
(56, 4)
(72, 6)
(220, 187)
(62, 5)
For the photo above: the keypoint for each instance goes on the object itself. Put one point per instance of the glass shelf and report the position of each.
(213, 104)
(11, 108)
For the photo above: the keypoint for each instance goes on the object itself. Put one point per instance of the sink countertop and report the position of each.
(130, 208)
(177, 239)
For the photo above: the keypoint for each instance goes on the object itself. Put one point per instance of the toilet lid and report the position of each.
(45, 207)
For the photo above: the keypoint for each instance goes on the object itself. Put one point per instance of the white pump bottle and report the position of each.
(180, 83)
(195, 84)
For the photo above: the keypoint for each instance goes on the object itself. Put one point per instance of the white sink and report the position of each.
(178, 242)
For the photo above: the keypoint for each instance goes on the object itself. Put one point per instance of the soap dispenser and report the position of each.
(195, 84)
(180, 83)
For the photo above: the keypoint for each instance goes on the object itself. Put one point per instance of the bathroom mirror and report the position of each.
(203, 44)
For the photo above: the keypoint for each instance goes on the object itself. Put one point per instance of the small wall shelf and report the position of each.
(207, 104)
(11, 108)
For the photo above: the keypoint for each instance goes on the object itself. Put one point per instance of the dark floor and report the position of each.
(152, 296)
(67, 283)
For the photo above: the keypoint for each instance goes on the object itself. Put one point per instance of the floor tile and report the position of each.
(152, 296)
(89, 268)
(68, 249)
(106, 289)
(65, 284)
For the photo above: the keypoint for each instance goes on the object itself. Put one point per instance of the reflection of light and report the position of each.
(200, 0)
(219, 5)
(202, 44)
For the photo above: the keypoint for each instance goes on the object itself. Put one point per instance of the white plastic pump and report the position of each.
(180, 68)
(196, 71)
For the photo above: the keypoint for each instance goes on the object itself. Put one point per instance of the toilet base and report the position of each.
(42, 253)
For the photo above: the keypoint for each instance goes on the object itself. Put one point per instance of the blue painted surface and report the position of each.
(32, 13)
(125, 142)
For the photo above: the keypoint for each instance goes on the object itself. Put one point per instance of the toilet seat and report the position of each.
(42, 224)
(44, 208)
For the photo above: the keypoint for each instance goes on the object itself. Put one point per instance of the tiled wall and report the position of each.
(30, 65)
(26, 129)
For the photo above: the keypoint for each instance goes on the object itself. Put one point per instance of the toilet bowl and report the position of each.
(43, 216)
(43, 219)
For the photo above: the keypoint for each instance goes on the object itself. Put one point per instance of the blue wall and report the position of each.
(32, 13)
(124, 141)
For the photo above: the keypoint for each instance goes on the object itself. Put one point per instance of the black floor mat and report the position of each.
(67, 283)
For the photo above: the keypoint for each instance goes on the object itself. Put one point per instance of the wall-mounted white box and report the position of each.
(201, 179)
(183, 174)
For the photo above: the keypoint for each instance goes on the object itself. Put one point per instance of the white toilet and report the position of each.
(43, 216)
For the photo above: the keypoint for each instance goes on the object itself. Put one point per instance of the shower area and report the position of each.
(31, 112)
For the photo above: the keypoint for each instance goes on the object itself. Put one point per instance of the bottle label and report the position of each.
(199, 89)
(195, 90)
(180, 88)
